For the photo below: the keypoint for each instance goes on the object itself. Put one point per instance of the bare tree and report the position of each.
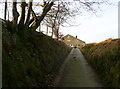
(56, 17)
(21, 21)
(59, 12)
(64, 10)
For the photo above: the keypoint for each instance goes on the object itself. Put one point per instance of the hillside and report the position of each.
(30, 60)
(105, 59)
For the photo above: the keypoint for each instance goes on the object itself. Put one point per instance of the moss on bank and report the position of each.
(30, 60)
(105, 59)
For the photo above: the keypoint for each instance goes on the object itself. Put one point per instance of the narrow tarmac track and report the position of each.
(76, 72)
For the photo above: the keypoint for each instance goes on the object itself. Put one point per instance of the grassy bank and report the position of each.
(105, 59)
(30, 60)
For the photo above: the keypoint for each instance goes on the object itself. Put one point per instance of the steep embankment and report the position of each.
(105, 59)
(31, 59)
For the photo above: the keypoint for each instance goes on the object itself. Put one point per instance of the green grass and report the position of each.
(31, 60)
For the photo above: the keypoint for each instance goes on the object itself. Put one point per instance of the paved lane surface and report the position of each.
(76, 72)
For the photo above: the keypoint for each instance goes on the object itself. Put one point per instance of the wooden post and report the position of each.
(40, 28)
(52, 33)
(47, 30)
(8, 15)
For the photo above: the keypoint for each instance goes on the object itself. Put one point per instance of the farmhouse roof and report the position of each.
(72, 37)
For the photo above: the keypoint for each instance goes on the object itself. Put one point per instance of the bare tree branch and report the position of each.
(34, 15)
(48, 6)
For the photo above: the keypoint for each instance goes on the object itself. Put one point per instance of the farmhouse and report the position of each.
(73, 41)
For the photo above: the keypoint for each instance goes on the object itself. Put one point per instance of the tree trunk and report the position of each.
(5, 12)
(15, 14)
(28, 14)
(58, 29)
(58, 33)
(22, 18)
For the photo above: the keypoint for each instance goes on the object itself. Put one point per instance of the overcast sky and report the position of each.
(96, 28)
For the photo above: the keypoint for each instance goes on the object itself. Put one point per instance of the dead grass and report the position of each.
(105, 59)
